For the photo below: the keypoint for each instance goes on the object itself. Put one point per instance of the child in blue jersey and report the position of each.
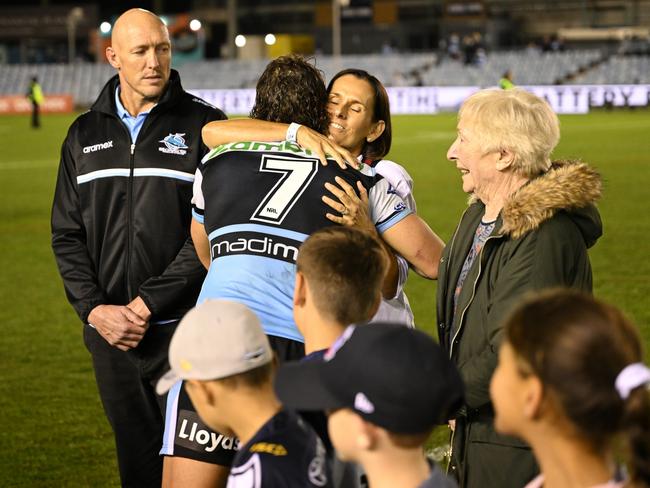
(384, 387)
(222, 353)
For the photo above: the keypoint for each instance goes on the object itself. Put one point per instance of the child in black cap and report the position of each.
(339, 279)
(385, 387)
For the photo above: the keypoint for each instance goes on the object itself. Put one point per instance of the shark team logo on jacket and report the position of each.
(174, 144)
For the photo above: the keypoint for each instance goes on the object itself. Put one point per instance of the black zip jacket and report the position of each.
(122, 211)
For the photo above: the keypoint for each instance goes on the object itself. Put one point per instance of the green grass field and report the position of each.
(52, 428)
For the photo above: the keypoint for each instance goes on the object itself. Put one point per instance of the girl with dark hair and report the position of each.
(570, 378)
(359, 132)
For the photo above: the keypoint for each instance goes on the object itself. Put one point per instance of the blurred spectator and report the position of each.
(389, 47)
(469, 49)
(505, 83)
(481, 57)
(453, 46)
(35, 95)
(533, 49)
(557, 44)
(399, 79)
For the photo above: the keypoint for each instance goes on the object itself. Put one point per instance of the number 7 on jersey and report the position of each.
(296, 173)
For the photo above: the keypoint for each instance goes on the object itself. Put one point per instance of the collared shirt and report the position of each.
(134, 124)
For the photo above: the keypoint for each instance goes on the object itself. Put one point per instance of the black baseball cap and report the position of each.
(393, 376)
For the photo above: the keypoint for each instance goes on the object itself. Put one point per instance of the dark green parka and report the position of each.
(540, 240)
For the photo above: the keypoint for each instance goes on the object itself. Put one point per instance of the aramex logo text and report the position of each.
(97, 147)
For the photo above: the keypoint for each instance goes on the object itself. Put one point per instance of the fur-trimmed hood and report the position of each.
(569, 185)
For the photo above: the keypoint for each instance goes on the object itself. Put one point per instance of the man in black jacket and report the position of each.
(120, 231)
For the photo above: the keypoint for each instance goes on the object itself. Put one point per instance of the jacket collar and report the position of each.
(568, 185)
(106, 101)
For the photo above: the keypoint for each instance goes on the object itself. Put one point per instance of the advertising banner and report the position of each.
(565, 99)
(19, 104)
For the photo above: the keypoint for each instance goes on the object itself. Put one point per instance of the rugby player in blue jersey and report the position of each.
(254, 204)
(360, 130)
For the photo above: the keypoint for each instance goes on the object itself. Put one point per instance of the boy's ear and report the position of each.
(366, 435)
(300, 290)
(202, 390)
(375, 306)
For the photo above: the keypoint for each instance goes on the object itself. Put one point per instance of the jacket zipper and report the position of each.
(451, 246)
(471, 299)
(129, 223)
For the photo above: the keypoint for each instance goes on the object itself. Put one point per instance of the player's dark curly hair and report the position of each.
(292, 90)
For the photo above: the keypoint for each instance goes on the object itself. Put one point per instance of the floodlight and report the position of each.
(195, 24)
(269, 39)
(240, 41)
(105, 27)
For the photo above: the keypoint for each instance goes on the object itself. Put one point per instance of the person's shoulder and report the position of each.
(196, 103)
(85, 121)
(398, 178)
(286, 434)
(388, 167)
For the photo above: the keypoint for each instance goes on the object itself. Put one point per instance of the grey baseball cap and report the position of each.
(216, 339)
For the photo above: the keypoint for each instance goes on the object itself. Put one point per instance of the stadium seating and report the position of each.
(617, 70)
(84, 80)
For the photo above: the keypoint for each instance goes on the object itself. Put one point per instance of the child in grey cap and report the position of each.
(224, 359)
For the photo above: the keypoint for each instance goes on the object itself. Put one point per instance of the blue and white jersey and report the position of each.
(258, 202)
(398, 308)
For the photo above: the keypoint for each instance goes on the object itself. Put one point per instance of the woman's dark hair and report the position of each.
(378, 148)
(292, 90)
(577, 345)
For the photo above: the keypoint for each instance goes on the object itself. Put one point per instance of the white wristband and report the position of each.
(292, 132)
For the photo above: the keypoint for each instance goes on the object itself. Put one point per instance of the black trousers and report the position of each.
(126, 383)
(36, 121)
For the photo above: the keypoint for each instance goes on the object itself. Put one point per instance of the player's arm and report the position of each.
(220, 132)
(201, 242)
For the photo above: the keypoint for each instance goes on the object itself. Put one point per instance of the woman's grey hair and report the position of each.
(514, 120)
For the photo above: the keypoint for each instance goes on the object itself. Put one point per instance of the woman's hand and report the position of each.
(321, 146)
(353, 208)
(355, 212)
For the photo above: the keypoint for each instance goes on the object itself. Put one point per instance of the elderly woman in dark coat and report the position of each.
(528, 226)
